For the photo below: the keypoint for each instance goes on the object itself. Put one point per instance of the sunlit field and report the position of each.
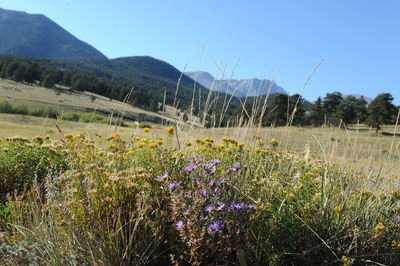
(81, 194)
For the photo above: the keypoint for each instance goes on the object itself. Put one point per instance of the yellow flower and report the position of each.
(146, 130)
(139, 145)
(273, 142)
(114, 136)
(169, 131)
(260, 142)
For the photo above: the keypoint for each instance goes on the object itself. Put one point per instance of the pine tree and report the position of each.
(381, 111)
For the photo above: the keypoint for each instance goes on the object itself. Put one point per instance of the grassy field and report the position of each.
(358, 145)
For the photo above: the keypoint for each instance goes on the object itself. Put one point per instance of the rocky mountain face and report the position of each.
(238, 87)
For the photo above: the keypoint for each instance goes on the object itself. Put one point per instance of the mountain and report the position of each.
(37, 36)
(238, 87)
(143, 73)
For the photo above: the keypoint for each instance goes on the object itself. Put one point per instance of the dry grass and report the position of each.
(357, 146)
(62, 99)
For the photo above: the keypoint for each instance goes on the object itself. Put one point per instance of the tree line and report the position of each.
(27, 70)
(332, 110)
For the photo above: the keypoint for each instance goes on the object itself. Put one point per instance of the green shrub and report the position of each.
(144, 125)
(5, 107)
(22, 161)
(71, 116)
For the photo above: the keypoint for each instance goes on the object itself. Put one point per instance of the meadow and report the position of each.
(96, 194)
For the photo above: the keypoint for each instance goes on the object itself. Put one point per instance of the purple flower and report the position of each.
(221, 180)
(180, 225)
(211, 183)
(185, 213)
(208, 208)
(219, 206)
(213, 169)
(236, 165)
(173, 185)
(162, 177)
(250, 206)
(215, 227)
(190, 168)
(215, 161)
(240, 206)
(202, 192)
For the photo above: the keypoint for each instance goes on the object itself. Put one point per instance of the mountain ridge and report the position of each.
(35, 35)
(237, 87)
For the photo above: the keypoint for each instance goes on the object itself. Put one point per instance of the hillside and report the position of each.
(145, 74)
(62, 99)
(37, 36)
(238, 87)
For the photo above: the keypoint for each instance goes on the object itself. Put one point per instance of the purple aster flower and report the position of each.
(208, 208)
(219, 205)
(202, 192)
(233, 206)
(180, 225)
(173, 185)
(215, 227)
(162, 177)
(250, 206)
(215, 161)
(190, 168)
(212, 170)
(211, 183)
(236, 165)
(221, 180)
(185, 213)
(207, 166)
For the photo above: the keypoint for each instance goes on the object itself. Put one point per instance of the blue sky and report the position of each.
(359, 40)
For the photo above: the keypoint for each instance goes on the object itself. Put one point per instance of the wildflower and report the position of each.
(273, 142)
(169, 131)
(146, 130)
(210, 168)
(190, 168)
(215, 161)
(215, 227)
(114, 136)
(260, 142)
(180, 225)
(219, 206)
(162, 177)
(236, 165)
(221, 180)
(202, 192)
(209, 208)
(173, 185)
(211, 183)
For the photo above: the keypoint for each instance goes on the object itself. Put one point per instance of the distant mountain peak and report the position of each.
(35, 35)
(238, 87)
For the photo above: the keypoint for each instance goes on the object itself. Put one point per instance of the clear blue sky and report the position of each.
(358, 39)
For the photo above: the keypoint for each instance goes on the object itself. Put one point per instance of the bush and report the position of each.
(23, 160)
(6, 107)
(71, 116)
